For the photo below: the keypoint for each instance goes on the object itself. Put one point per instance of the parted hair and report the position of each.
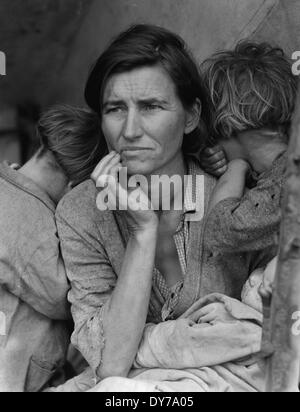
(73, 135)
(250, 87)
(147, 45)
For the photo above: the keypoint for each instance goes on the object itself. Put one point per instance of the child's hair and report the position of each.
(251, 87)
(74, 137)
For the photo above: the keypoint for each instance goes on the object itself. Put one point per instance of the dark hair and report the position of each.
(250, 87)
(74, 138)
(147, 45)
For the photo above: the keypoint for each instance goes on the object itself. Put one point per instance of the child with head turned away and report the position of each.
(33, 282)
(253, 92)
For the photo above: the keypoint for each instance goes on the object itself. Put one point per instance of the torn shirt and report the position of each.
(250, 223)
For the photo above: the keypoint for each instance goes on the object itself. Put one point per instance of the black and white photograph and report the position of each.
(149, 199)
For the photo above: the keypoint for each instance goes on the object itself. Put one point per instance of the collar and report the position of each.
(26, 185)
(191, 201)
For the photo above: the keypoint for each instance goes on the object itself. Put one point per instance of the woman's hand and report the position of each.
(213, 160)
(140, 213)
(214, 312)
(126, 313)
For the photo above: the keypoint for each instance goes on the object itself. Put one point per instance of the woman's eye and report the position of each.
(115, 110)
(152, 107)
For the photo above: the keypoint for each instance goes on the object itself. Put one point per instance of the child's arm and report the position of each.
(232, 183)
(251, 222)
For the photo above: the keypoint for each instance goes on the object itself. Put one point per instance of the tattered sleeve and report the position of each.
(92, 282)
(248, 224)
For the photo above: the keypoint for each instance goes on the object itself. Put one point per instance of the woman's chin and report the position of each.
(137, 167)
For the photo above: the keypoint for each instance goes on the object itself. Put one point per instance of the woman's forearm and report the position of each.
(128, 308)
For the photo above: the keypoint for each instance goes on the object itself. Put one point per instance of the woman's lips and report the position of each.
(133, 151)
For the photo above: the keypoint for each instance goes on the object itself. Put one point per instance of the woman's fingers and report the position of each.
(115, 161)
(104, 165)
(110, 174)
(117, 192)
(200, 313)
(102, 177)
(210, 317)
(114, 171)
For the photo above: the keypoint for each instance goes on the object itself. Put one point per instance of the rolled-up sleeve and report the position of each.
(248, 224)
(92, 282)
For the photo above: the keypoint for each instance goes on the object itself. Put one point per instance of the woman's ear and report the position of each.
(193, 117)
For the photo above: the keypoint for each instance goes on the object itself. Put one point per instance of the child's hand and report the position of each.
(267, 285)
(213, 161)
(14, 166)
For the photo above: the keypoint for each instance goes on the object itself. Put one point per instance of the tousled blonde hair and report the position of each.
(251, 87)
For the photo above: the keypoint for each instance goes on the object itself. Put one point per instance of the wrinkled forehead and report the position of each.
(138, 84)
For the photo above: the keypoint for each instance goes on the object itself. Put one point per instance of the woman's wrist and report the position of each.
(146, 232)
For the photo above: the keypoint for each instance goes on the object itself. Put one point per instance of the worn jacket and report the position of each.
(252, 222)
(33, 286)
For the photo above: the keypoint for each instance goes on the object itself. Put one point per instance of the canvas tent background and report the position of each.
(206, 25)
(51, 44)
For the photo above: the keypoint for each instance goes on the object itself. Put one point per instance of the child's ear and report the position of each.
(193, 117)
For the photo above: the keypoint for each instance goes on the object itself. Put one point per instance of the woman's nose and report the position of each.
(132, 126)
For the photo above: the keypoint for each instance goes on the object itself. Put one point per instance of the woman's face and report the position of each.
(144, 120)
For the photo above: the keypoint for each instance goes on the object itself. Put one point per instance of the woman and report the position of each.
(128, 267)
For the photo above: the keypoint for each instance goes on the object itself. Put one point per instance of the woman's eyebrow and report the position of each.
(153, 100)
(113, 103)
(145, 101)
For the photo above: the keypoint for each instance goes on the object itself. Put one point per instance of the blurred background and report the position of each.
(50, 46)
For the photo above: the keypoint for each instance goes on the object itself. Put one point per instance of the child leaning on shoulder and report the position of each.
(253, 93)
